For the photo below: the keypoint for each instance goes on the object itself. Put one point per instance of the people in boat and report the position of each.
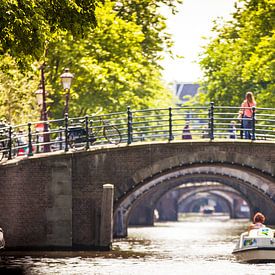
(258, 221)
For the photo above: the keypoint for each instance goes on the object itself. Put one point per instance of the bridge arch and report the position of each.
(254, 187)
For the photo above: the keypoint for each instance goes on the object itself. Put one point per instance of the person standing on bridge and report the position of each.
(232, 130)
(186, 134)
(246, 114)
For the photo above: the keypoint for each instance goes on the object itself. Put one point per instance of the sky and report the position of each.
(193, 21)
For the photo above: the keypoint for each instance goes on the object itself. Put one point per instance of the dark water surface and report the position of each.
(194, 246)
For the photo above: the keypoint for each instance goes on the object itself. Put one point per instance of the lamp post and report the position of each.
(66, 79)
(41, 101)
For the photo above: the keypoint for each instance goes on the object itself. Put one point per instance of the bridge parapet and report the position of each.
(151, 125)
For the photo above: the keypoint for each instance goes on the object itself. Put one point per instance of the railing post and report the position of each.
(170, 125)
(10, 143)
(211, 120)
(253, 123)
(46, 137)
(30, 140)
(37, 142)
(87, 132)
(66, 119)
(60, 138)
(129, 125)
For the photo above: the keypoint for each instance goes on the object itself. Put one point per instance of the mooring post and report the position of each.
(106, 222)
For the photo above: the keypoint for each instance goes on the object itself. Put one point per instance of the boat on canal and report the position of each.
(207, 209)
(256, 246)
(2, 240)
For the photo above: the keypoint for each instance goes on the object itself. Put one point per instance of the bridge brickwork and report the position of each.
(55, 200)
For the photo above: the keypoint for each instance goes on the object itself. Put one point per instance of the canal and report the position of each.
(196, 245)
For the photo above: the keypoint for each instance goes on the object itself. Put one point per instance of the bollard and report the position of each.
(106, 221)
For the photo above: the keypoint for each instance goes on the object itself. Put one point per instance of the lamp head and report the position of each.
(66, 79)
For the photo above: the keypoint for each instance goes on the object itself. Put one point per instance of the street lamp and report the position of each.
(66, 79)
(41, 101)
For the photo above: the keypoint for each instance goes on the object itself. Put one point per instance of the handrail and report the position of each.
(199, 122)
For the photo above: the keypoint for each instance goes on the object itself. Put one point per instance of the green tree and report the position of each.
(17, 99)
(111, 70)
(27, 24)
(146, 14)
(115, 63)
(241, 57)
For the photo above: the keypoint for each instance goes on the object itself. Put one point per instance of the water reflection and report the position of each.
(193, 246)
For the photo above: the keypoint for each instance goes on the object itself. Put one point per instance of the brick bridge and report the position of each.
(56, 200)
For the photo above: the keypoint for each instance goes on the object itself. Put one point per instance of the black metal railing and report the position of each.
(205, 122)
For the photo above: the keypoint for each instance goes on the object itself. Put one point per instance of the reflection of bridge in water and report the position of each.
(58, 200)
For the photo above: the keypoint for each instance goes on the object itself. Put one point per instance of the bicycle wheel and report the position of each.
(112, 134)
(1, 152)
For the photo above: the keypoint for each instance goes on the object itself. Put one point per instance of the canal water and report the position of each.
(193, 246)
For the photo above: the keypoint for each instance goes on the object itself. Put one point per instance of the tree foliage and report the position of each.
(111, 70)
(115, 62)
(27, 24)
(17, 100)
(146, 14)
(242, 56)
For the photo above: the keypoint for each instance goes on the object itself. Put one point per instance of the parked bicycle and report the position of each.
(77, 134)
(4, 143)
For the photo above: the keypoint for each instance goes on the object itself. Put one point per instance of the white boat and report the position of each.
(256, 246)
(2, 240)
(207, 209)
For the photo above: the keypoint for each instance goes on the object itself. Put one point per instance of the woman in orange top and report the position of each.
(246, 113)
(258, 221)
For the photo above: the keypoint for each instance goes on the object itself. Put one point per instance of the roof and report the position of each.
(184, 89)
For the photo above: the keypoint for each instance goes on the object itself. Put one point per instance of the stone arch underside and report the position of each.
(255, 188)
(143, 213)
(223, 191)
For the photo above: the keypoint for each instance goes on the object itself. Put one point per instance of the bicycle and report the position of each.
(77, 134)
(4, 146)
(11, 146)
(4, 150)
